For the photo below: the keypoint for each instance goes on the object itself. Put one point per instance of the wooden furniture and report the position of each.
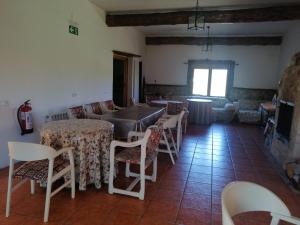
(162, 102)
(141, 152)
(90, 139)
(43, 164)
(200, 111)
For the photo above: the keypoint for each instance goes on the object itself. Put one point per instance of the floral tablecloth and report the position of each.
(91, 140)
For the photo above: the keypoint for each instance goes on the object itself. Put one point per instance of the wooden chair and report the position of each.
(239, 197)
(43, 164)
(142, 152)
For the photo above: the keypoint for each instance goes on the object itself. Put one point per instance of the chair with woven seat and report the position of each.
(240, 196)
(142, 152)
(43, 164)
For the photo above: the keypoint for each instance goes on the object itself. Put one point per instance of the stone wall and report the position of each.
(234, 94)
(289, 91)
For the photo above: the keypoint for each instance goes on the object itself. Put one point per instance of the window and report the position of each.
(210, 78)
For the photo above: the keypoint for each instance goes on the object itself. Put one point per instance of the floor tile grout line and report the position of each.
(185, 185)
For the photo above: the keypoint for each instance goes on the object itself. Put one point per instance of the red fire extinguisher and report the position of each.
(25, 118)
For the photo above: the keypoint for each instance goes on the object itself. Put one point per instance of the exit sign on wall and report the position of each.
(73, 30)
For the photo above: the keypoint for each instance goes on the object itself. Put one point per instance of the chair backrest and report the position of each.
(174, 108)
(76, 112)
(182, 117)
(29, 151)
(109, 104)
(241, 196)
(153, 134)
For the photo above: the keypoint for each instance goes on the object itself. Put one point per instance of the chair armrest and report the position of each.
(63, 150)
(93, 116)
(115, 143)
(290, 219)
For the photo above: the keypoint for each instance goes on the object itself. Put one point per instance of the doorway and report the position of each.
(120, 80)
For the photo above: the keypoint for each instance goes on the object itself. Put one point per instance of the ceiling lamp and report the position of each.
(196, 21)
(207, 47)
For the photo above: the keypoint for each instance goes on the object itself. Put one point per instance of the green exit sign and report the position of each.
(73, 30)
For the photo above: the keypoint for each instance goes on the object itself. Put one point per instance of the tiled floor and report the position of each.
(187, 193)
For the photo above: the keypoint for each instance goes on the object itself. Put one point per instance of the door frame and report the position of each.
(125, 87)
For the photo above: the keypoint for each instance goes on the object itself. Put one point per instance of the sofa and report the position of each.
(249, 111)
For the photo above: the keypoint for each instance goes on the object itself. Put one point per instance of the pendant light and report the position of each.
(196, 21)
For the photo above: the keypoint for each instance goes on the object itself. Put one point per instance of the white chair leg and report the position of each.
(73, 182)
(127, 170)
(48, 192)
(9, 187)
(168, 147)
(154, 172)
(111, 176)
(173, 143)
(32, 187)
(142, 181)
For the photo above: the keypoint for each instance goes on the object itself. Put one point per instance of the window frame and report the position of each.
(210, 65)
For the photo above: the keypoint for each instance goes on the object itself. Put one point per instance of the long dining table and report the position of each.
(134, 118)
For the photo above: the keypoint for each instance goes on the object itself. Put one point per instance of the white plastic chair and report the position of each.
(42, 164)
(181, 126)
(239, 197)
(168, 122)
(142, 152)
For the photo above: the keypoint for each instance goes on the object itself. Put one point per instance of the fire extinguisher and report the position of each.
(25, 118)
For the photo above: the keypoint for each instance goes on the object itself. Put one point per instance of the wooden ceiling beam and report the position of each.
(214, 40)
(266, 14)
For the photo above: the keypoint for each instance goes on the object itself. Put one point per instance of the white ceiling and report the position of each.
(236, 29)
(137, 5)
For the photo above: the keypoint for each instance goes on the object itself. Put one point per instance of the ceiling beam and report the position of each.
(278, 13)
(214, 40)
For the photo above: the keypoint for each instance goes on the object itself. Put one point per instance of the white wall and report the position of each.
(290, 45)
(41, 61)
(257, 64)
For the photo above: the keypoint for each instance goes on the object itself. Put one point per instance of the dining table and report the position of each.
(133, 118)
(91, 141)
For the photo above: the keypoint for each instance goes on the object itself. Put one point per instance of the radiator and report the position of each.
(59, 116)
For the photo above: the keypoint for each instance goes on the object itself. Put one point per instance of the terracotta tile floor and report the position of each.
(187, 193)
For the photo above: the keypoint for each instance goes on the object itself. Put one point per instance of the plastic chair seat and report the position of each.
(38, 170)
(133, 155)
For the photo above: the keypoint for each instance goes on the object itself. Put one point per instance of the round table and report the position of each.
(200, 111)
(91, 141)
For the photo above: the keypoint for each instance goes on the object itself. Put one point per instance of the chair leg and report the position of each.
(127, 170)
(168, 147)
(72, 182)
(142, 181)
(9, 188)
(48, 191)
(32, 187)
(111, 178)
(154, 172)
(173, 143)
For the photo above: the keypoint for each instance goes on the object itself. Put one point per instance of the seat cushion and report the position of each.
(133, 155)
(38, 170)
